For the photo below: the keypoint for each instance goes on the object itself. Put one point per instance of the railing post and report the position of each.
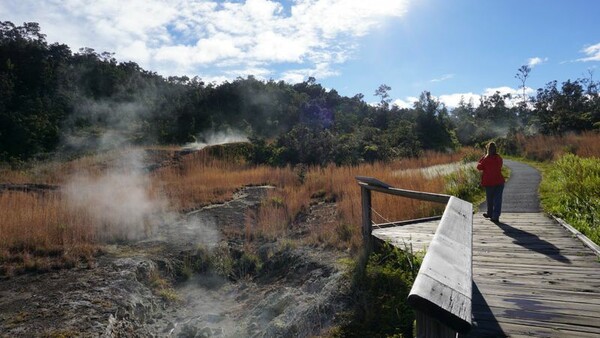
(366, 218)
(429, 327)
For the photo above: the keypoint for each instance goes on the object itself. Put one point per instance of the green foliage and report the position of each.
(49, 95)
(570, 108)
(433, 124)
(231, 152)
(222, 261)
(380, 290)
(570, 190)
(169, 295)
(248, 264)
(465, 184)
(53, 100)
(344, 232)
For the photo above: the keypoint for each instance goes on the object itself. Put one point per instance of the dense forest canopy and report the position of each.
(55, 101)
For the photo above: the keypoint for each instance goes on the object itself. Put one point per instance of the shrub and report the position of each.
(465, 184)
(380, 292)
(570, 191)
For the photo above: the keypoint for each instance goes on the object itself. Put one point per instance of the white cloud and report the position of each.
(532, 62)
(211, 38)
(502, 90)
(442, 78)
(453, 100)
(592, 52)
(407, 102)
(321, 70)
(274, 47)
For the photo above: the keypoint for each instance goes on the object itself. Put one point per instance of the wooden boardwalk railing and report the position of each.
(531, 276)
(442, 291)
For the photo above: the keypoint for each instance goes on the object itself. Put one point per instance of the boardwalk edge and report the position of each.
(588, 242)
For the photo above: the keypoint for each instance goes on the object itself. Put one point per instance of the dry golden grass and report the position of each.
(201, 180)
(40, 220)
(549, 148)
(51, 221)
(39, 232)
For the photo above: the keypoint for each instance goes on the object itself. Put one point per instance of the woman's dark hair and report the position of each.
(491, 149)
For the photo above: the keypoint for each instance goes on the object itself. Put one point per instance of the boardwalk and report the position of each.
(531, 276)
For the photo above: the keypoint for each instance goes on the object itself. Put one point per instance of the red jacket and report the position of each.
(491, 167)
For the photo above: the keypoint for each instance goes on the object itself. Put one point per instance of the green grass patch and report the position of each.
(380, 290)
(570, 189)
(465, 184)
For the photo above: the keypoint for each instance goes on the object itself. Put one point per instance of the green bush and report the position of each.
(380, 290)
(570, 190)
(248, 264)
(465, 184)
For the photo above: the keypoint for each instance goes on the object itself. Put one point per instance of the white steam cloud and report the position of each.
(212, 138)
(119, 199)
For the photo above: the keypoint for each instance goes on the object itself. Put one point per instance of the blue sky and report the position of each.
(453, 48)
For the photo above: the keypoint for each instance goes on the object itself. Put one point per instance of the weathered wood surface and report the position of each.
(374, 184)
(442, 289)
(531, 277)
(416, 236)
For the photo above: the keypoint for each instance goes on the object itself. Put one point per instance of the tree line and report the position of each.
(54, 101)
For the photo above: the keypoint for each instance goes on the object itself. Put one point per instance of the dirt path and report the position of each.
(521, 190)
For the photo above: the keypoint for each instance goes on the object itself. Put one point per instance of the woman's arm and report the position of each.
(481, 163)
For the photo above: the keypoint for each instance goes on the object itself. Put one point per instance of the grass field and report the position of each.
(110, 197)
(570, 166)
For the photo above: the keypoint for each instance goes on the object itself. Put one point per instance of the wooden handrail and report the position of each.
(442, 292)
(376, 185)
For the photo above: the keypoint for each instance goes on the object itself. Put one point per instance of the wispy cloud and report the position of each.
(442, 78)
(532, 62)
(407, 102)
(213, 38)
(592, 52)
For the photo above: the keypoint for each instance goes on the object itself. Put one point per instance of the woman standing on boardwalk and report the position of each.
(493, 181)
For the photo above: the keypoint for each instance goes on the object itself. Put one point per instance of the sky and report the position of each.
(453, 48)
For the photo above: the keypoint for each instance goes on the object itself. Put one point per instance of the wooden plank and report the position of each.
(573, 296)
(541, 305)
(533, 274)
(408, 222)
(551, 283)
(443, 285)
(365, 196)
(535, 277)
(418, 195)
(585, 268)
(536, 258)
(486, 328)
(547, 319)
(416, 236)
(593, 246)
(372, 181)
(539, 272)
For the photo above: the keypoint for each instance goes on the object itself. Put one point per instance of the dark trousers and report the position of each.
(493, 196)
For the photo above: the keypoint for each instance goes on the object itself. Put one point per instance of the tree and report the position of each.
(564, 110)
(382, 92)
(522, 75)
(433, 124)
